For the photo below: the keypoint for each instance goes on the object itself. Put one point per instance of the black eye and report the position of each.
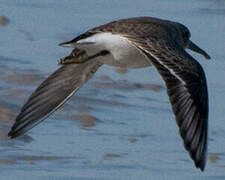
(187, 34)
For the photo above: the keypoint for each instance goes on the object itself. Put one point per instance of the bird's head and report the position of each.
(187, 43)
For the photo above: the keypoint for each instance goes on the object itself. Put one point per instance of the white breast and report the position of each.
(122, 52)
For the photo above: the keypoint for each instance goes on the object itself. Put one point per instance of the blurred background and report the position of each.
(120, 124)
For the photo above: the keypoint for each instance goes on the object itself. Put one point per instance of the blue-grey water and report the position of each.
(119, 125)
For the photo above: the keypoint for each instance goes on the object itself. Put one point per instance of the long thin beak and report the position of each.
(197, 49)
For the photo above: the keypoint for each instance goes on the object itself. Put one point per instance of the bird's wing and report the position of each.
(186, 88)
(52, 94)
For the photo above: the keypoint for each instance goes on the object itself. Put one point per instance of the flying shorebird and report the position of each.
(131, 43)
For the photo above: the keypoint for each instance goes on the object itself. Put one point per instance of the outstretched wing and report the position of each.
(52, 94)
(187, 90)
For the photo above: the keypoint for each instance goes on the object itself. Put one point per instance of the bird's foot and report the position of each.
(77, 56)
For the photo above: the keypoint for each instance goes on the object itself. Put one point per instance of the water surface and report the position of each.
(120, 124)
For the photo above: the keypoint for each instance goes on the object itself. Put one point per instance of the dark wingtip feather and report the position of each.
(13, 134)
(16, 131)
(201, 166)
(10, 134)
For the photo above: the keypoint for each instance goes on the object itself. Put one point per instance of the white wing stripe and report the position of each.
(156, 58)
(170, 70)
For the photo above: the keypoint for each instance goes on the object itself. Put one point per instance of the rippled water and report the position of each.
(120, 124)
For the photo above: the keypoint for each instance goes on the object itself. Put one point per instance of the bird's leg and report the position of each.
(77, 56)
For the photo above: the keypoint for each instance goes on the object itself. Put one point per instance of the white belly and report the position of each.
(122, 52)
